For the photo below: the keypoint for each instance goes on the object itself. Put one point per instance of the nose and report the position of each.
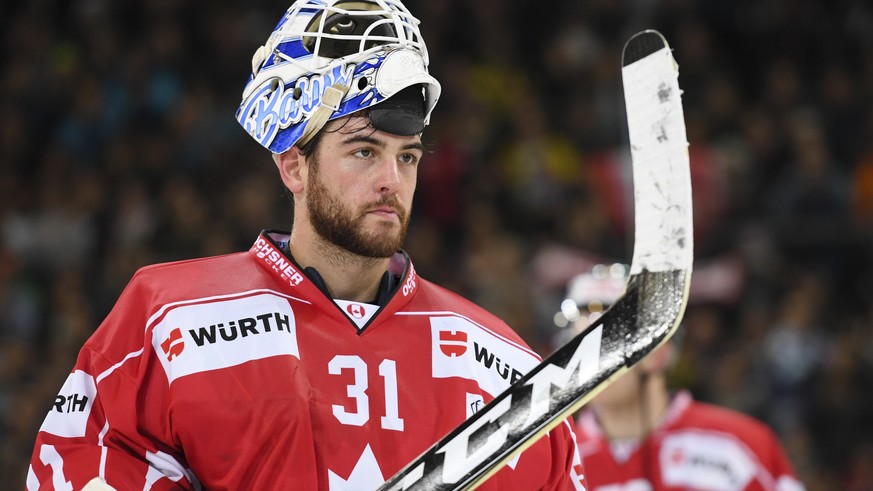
(388, 181)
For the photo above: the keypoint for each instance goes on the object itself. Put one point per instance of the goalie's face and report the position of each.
(627, 390)
(358, 186)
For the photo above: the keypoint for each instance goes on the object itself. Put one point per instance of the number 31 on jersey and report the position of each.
(357, 391)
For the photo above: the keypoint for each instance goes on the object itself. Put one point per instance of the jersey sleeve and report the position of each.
(109, 419)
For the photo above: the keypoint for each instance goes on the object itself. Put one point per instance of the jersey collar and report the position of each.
(270, 252)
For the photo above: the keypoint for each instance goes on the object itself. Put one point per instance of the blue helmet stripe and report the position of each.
(293, 48)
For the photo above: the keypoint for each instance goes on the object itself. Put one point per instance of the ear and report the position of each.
(292, 169)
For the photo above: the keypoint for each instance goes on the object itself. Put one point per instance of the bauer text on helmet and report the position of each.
(328, 59)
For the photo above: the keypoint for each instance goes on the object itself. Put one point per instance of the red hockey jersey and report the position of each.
(237, 372)
(698, 447)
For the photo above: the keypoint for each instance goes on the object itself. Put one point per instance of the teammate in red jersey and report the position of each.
(637, 436)
(318, 359)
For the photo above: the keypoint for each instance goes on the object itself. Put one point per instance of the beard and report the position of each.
(344, 227)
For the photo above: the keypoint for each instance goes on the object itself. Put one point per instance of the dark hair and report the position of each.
(310, 147)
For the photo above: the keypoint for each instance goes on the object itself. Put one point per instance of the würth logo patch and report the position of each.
(197, 336)
(492, 362)
(240, 328)
(460, 348)
(453, 343)
(173, 345)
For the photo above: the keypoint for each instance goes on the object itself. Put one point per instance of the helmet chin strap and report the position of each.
(329, 104)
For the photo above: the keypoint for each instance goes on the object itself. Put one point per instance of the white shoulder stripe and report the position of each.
(193, 301)
(111, 369)
(103, 449)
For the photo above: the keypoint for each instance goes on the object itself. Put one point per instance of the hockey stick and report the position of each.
(641, 320)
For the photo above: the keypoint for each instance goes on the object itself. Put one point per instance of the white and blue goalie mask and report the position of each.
(330, 58)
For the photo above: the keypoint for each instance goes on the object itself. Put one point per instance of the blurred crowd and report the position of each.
(119, 148)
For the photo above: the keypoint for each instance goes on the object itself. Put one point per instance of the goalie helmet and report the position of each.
(590, 294)
(326, 59)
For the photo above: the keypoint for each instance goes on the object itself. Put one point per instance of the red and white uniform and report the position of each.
(237, 372)
(698, 447)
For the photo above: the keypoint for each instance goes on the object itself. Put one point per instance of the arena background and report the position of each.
(118, 148)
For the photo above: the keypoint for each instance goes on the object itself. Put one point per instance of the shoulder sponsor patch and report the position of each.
(706, 460)
(69, 413)
(198, 337)
(461, 348)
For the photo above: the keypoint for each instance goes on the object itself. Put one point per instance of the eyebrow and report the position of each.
(380, 143)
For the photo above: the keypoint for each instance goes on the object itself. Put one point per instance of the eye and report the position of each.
(364, 153)
(408, 158)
